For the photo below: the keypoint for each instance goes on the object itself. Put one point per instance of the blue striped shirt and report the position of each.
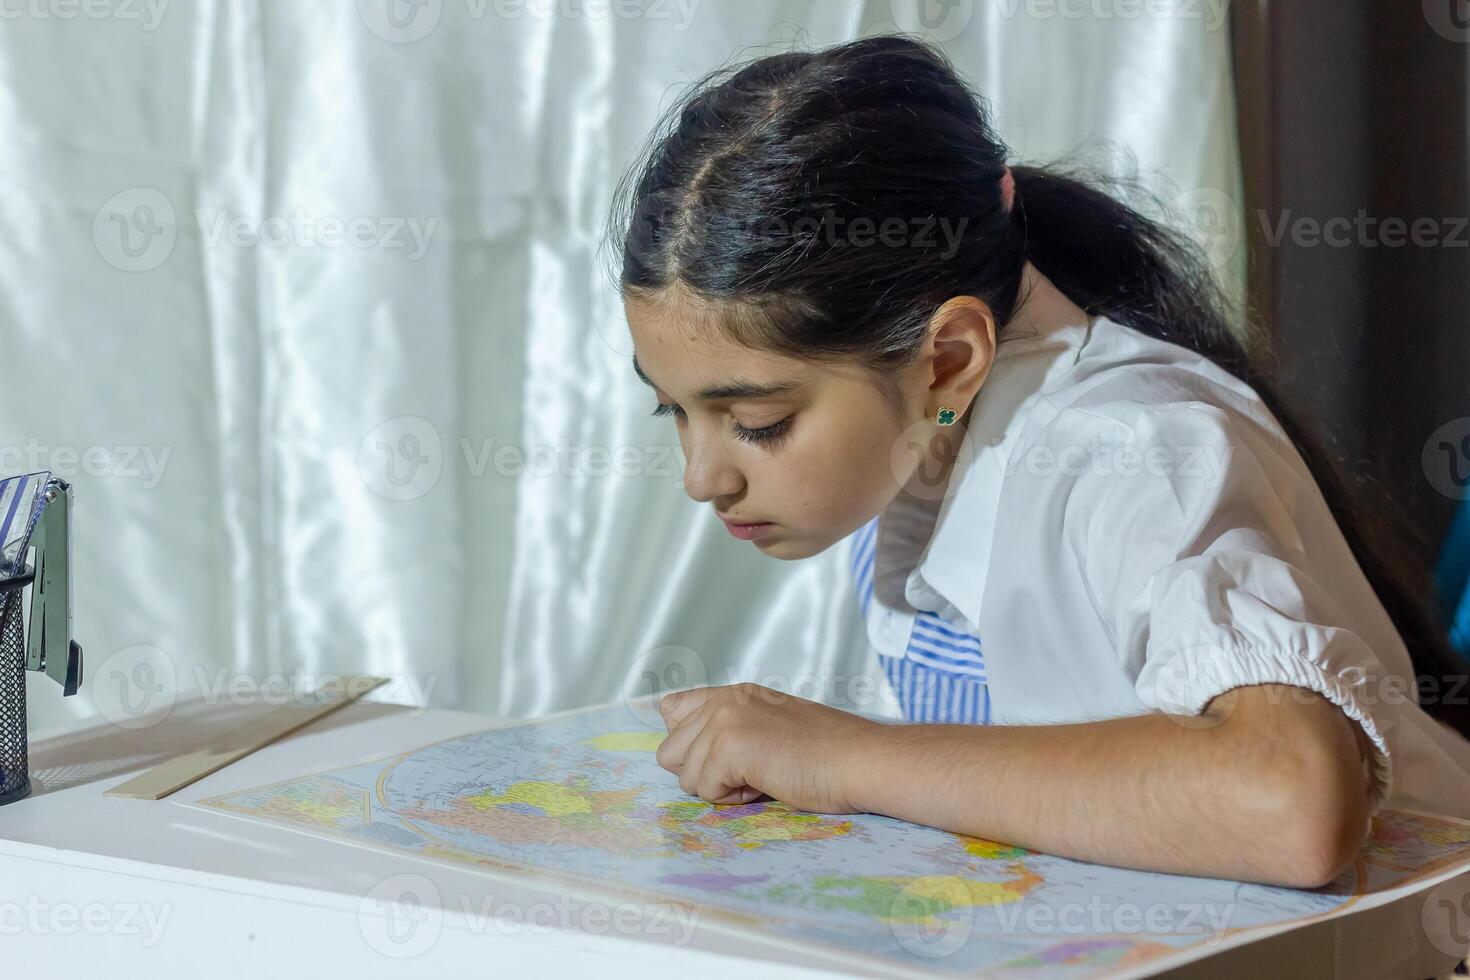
(941, 675)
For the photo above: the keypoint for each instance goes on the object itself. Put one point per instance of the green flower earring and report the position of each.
(946, 416)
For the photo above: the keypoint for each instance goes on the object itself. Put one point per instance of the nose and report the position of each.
(710, 472)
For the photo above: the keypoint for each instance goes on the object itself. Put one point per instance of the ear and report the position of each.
(960, 348)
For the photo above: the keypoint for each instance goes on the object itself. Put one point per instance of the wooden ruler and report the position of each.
(178, 772)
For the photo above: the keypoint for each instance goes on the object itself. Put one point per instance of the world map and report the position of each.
(580, 797)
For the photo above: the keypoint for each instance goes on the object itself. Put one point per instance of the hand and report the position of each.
(736, 743)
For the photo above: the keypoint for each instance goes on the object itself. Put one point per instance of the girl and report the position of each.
(1090, 546)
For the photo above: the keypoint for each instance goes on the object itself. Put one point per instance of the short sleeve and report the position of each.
(1188, 523)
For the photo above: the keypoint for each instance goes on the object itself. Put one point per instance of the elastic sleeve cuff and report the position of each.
(1186, 681)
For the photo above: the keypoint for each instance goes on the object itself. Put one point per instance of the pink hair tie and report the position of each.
(1007, 188)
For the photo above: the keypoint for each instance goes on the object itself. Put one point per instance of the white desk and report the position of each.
(91, 885)
(110, 887)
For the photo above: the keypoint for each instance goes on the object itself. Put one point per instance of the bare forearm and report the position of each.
(1155, 791)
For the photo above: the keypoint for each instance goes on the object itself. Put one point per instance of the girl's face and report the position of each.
(793, 454)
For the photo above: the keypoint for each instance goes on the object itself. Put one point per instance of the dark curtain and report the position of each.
(1361, 111)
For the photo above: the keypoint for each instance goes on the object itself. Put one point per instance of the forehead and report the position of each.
(680, 341)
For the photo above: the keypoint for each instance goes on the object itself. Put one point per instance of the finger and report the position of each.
(679, 705)
(674, 749)
(718, 779)
(745, 794)
(689, 774)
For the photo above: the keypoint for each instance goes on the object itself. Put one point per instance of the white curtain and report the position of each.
(306, 298)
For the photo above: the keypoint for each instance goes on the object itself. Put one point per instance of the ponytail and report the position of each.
(746, 177)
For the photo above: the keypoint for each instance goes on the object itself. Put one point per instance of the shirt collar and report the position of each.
(950, 575)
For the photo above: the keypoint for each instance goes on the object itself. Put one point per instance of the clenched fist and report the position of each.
(735, 743)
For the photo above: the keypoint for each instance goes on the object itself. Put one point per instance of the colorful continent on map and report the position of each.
(316, 801)
(573, 812)
(1411, 840)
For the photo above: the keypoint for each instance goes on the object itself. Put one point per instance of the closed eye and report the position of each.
(766, 434)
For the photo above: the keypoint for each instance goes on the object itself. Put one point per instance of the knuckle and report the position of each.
(729, 743)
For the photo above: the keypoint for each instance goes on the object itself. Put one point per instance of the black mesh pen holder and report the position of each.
(35, 568)
(15, 779)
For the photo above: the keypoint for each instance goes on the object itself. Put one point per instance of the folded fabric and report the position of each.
(1453, 575)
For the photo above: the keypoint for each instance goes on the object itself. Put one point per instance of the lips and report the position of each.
(746, 530)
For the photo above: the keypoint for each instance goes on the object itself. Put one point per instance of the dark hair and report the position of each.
(749, 180)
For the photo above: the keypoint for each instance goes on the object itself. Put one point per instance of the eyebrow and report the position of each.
(729, 389)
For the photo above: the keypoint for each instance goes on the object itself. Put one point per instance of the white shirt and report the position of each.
(1128, 529)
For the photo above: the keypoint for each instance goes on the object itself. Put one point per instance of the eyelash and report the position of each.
(765, 435)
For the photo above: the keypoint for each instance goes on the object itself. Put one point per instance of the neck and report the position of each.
(1041, 307)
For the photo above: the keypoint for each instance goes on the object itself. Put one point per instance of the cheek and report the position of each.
(839, 473)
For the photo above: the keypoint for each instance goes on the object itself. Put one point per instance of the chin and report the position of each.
(787, 549)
